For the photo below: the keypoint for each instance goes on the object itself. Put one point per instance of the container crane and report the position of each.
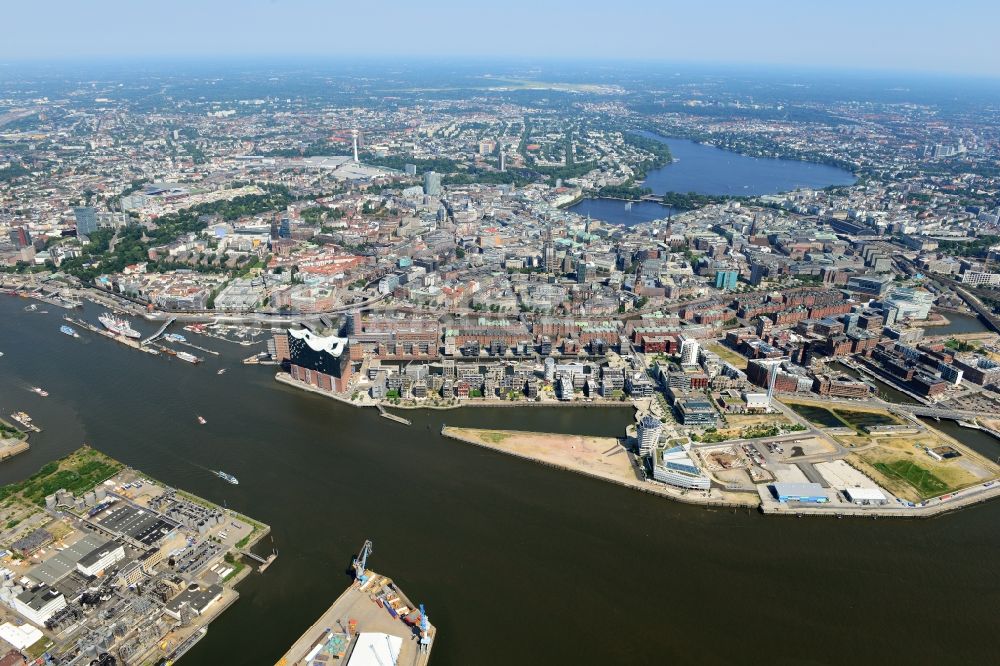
(425, 627)
(361, 562)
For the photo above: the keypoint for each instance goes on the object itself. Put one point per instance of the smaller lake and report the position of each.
(614, 211)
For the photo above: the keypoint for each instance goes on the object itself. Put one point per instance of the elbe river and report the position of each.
(516, 562)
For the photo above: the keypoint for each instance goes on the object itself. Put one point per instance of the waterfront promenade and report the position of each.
(603, 458)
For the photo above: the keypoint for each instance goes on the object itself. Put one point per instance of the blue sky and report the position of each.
(951, 37)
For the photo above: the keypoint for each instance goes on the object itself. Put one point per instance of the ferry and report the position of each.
(40, 391)
(190, 358)
(118, 326)
(201, 420)
(228, 478)
(68, 330)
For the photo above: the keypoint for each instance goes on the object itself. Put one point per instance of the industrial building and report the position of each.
(866, 496)
(39, 604)
(809, 493)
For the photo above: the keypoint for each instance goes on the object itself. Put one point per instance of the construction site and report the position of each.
(372, 623)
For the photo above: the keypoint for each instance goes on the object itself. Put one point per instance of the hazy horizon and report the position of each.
(917, 37)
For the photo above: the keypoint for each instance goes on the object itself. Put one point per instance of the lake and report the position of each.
(709, 170)
(706, 169)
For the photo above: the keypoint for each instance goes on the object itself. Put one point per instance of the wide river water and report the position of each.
(517, 562)
(709, 170)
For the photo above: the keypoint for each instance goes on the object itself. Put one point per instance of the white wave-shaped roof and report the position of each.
(330, 344)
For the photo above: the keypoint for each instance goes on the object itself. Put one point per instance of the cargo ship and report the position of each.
(68, 330)
(118, 326)
(228, 478)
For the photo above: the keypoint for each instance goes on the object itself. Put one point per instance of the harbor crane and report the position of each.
(361, 562)
(425, 627)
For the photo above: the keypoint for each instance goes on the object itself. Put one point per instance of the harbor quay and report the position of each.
(371, 623)
(12, 440)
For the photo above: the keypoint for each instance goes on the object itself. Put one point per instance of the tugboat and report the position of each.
(228, 478)
(40, 391)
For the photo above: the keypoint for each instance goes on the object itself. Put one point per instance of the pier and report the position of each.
(375, 608)
(161, 331)
(128, 342)
(392, 417)
(264, 562)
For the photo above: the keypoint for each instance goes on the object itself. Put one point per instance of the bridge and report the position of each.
(264, 562)
(159, 332)
(940, 412)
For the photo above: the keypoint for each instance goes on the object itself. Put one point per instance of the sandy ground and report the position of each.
(603, 456)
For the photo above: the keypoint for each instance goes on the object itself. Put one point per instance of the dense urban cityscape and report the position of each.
(393, 294)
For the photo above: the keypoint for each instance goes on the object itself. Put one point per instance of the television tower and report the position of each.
(354, 137)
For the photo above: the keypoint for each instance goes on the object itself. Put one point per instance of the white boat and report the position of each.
(229, 478)
(40, 391)
(221, 371)
(190, 358)
(118, 326)
(201, 420)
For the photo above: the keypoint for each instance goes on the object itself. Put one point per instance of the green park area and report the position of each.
(925, 483)
(840, 418)
(78, 472)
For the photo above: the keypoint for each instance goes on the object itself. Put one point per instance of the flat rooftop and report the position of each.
(63, 562)
(142, 525)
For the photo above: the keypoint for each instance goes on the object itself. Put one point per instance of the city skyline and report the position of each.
(892, 36)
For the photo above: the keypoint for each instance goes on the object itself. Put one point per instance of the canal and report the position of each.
(885, 391)
(516, 562)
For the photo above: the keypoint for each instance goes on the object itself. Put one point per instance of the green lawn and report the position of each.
(926, 484)
(78, 472)
(820, 416)
(860, 419)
